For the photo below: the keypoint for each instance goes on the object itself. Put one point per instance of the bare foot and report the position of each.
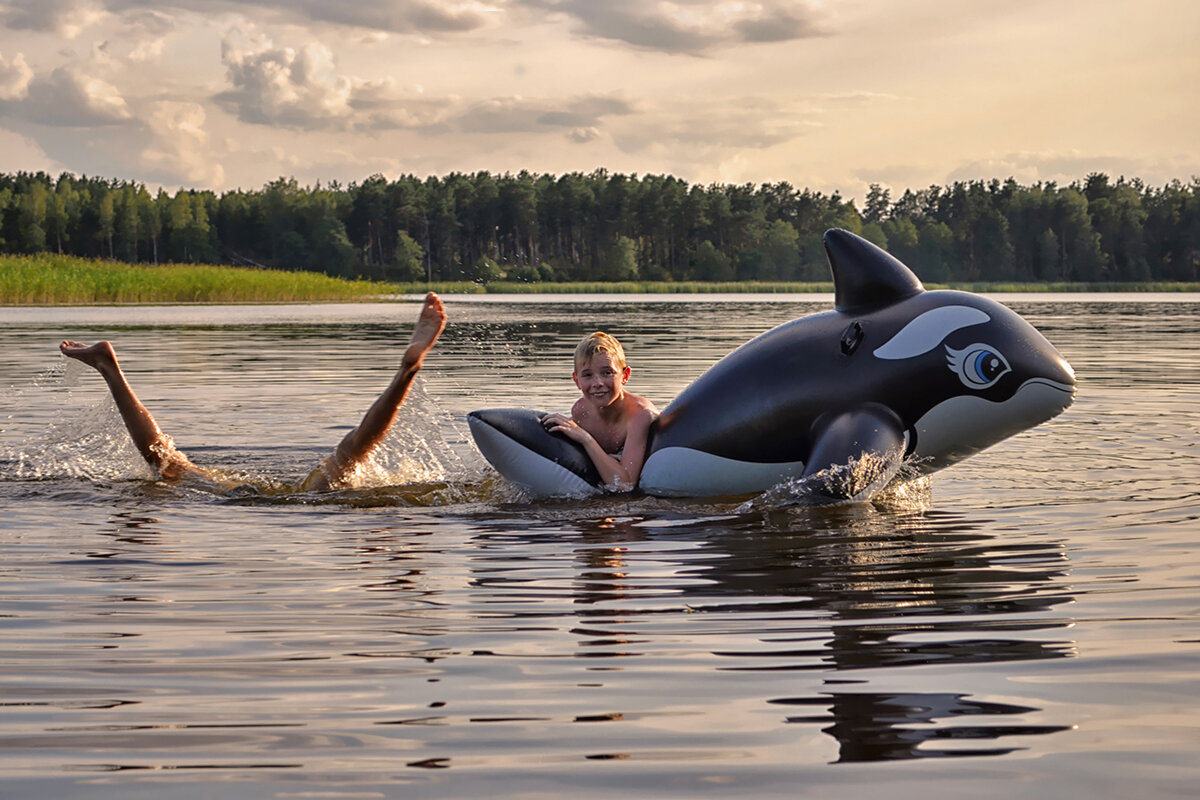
(99, 355)
(429, 326)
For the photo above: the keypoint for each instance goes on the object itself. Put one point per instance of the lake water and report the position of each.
(1028, 624)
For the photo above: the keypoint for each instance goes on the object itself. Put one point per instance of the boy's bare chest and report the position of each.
(609, 435)
(610, 438)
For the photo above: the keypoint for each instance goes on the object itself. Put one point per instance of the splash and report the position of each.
(416, 464)
(81, 441)
(420, 449)
(885, 480)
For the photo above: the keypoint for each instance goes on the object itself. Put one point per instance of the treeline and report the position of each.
(605, 226)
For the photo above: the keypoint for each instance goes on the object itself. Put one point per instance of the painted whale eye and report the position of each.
(977, 366)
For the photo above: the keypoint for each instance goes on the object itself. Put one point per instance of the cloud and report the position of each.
(860, 97)
(15, 77)
(23, 154)
(583, 135)
(180, 149)
(301, 89)
(70, 17)
(686, 26)
(70, 97)
(66, 18)
(398, 16)
(1059, 167)
(520, 115)
(702, 127)
(291, 88)
(146, 33)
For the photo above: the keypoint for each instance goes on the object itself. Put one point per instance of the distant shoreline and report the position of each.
(753, 287)
(47, 280)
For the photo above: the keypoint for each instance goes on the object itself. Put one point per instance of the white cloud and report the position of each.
(15, 77)
(521, 115)
(23, 154)
(70, 17)
(284, 86)
(180, 149)
(70, 97)
(301, 89)
(146, 33)
(703, 126)
(856, 98)
(400, 16)
(1064, 167)
(66, 18)
(686, 26)
(583, 135)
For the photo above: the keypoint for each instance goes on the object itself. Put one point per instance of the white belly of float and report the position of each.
(684, 472)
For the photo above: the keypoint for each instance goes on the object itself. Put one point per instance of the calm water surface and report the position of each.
(1029, 623)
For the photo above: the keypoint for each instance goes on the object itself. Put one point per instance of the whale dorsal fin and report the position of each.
(864, 276)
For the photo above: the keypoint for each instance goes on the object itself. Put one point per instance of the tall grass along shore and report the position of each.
(67, 280)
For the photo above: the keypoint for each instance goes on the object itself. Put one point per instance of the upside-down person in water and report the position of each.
(160, 452)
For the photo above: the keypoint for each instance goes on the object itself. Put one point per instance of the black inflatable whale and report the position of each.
(894, 371)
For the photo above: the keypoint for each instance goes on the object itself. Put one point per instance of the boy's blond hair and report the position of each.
(599, 342)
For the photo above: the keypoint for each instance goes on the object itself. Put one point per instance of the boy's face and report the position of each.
(601, 379)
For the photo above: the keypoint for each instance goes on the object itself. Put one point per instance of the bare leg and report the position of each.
(154, 445)
(357, 445)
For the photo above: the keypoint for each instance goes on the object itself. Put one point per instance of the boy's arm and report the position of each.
(633, 456)
(618, 476)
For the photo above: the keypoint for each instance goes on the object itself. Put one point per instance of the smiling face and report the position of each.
(601, 378)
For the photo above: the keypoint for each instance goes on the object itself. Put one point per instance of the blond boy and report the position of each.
(611, 424)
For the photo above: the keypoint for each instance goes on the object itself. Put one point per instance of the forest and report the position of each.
(604, 226)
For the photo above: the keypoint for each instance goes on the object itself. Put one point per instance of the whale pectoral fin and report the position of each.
(514, 441)
(853, 451)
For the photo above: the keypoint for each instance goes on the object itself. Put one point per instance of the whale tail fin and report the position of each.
(865, 277)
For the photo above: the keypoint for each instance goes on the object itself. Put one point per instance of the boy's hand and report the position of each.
(558, 423)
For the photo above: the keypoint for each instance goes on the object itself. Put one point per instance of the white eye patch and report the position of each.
(927, 331)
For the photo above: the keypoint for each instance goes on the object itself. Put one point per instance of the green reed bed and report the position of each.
(65, 280)
(47, 279)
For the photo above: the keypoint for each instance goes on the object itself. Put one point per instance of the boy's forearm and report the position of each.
(612, 471)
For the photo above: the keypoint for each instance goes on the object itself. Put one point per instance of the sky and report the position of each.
(827, 95)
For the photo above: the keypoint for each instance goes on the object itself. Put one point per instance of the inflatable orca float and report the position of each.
(894, 371)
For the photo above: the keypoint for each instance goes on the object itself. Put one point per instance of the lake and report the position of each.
(1027, 623)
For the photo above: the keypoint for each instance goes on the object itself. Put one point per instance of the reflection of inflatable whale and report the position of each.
(893, 369)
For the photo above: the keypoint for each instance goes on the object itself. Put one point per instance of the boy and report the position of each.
(613, 425)
(159, 451)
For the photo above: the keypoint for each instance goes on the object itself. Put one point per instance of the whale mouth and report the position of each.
(963, 425)
(1068, 389)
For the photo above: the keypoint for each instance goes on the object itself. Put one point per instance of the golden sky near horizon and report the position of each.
(831, 96)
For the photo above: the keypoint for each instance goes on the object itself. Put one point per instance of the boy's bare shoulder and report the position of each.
(639, 405)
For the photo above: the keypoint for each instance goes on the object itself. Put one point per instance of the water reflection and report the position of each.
(885, 584)
(890, 727)
(834, 591)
